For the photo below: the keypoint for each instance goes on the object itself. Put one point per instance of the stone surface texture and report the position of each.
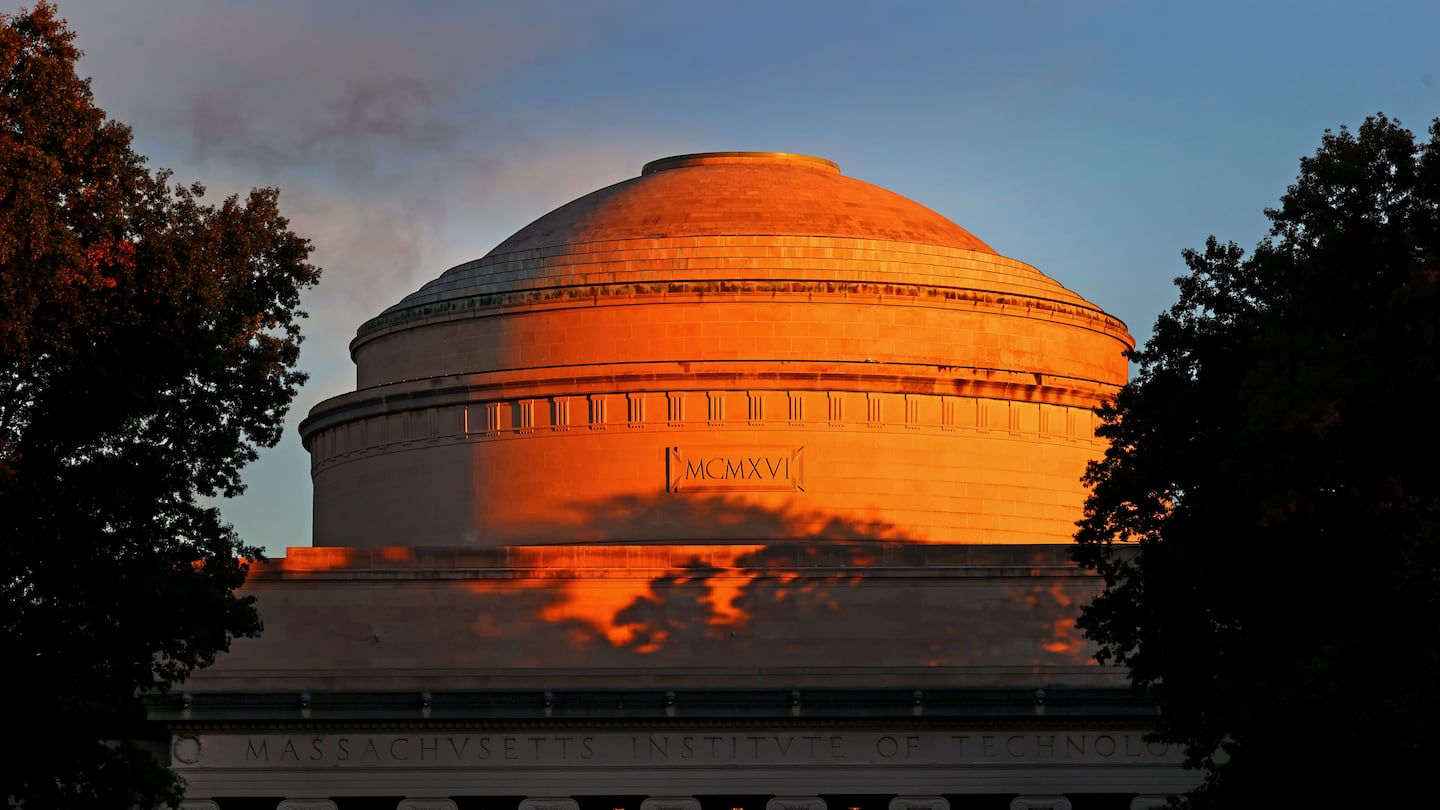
(728, 307)
(739, 484)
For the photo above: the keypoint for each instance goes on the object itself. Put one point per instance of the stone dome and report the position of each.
(732, 345)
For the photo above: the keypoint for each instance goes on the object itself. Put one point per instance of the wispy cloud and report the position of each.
(391, 134)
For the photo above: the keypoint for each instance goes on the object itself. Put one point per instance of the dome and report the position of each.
(741, 217)
(837, 354)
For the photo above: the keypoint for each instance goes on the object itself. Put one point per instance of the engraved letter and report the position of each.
(251, 752)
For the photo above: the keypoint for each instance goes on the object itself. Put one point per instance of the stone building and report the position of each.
(739, 485)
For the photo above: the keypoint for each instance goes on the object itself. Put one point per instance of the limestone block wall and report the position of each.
(927, 326)
(714, 463)
(847, 614)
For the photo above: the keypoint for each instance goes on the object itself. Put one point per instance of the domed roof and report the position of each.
(740, 193)
(749, 217)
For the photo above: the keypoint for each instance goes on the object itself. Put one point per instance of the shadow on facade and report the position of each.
(827, 592)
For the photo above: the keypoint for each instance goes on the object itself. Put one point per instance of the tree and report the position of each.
(147, 348)
(1274, 471)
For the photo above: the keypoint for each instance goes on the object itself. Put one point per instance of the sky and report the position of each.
(1094, 140)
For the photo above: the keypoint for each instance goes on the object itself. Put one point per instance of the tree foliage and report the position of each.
(147, 347)
(1274, 467)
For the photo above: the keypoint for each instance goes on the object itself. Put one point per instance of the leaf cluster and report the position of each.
(1267, 516)
(148, 341)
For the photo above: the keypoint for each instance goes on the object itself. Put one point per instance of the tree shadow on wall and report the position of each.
(823, 590)
(827, 594)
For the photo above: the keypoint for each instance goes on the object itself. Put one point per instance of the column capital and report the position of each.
(796, 803)
(1039, 803)
(549, 803)
(670, 803)
(426, 804)
(919, 803)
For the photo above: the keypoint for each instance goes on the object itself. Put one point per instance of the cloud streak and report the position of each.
(394, 139)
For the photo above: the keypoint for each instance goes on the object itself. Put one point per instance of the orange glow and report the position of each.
(600, 610)
(723, 593)
(1060, 596)
(306, 560)
(832, 602)
(1066, 641)
(612, 608)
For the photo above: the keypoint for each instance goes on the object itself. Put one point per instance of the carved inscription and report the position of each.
(691, 469)
(683, 748)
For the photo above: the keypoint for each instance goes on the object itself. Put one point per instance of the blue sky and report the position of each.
(1093, 140)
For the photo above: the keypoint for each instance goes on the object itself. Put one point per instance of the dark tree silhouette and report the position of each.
(1274, 466)
(147, 347)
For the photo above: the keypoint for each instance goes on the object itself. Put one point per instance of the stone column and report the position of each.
(919, 803)
(670, 803)
(549, 803)
(798, 803)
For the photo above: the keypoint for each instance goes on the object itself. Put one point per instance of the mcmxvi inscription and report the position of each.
(681, 749)
(691, 469)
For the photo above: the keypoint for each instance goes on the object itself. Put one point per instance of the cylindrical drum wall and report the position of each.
(697, 465)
